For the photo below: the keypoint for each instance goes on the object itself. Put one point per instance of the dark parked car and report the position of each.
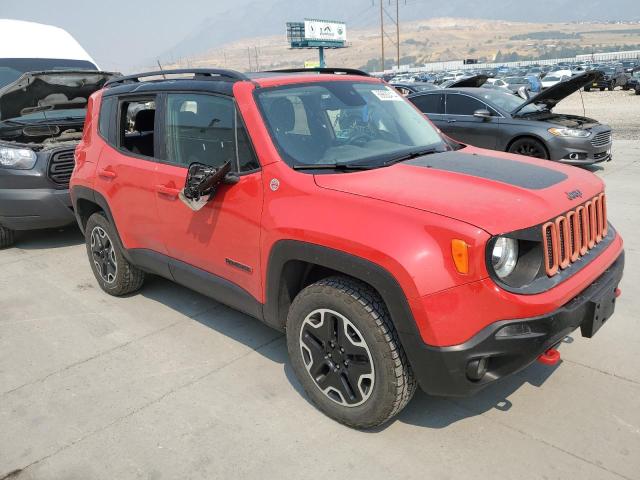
(612, 77)
(503, 121)
(407, 88)
(634, 81)
(42, 115)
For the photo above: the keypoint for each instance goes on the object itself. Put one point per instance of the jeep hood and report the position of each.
(495, 191)
(553, 95)
(47, 90)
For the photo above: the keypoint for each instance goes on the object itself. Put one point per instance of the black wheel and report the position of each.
(602, 89)
(345, 351)
(529, 147)
(637, 91)
(625, 87)
(611, 87)
(587, 89)
(7, 237)
(113, 272)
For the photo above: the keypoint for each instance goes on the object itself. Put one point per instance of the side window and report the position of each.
(105, 119)
(430, 103)
(206, 129)
(137, 124)
(462, 105)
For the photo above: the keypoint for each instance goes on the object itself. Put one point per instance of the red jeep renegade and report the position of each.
(324, 204)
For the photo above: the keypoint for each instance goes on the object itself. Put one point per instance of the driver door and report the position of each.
(223, 237)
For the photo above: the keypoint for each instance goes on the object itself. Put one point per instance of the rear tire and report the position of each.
(346, 353)
(529, 147)
(114, 273)
(587, 89)
(7, 237)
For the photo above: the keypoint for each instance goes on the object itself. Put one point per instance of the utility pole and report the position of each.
(249, 53)
(257, 61)
(382, 33)
(398, 32)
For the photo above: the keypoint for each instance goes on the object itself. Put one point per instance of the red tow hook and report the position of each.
(550, 357)
(617, 292)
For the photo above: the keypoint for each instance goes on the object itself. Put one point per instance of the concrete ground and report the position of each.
(168, 384)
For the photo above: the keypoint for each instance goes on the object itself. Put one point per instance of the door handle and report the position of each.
(107, 173)
(168, 191)
(451, 121)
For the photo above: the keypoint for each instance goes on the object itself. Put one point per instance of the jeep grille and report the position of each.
(571, 236)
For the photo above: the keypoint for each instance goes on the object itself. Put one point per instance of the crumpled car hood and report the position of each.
(495, 191)
(52, 89)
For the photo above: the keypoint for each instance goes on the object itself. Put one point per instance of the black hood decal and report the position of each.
(512, 172)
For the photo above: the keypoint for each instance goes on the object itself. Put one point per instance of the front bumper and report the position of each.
(35, 208)
(578, 151)
(443, 370)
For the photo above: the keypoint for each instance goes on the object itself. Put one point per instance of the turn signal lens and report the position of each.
(460, 253)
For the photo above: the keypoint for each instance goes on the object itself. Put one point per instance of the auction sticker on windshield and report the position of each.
(388, 95)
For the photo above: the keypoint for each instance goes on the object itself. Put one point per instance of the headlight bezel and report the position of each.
(17, 158)
(566, 132)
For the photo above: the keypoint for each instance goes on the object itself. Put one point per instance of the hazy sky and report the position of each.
(120, 34)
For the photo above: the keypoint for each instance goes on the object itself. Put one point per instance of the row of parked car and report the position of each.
(322, 203)
(625, 75)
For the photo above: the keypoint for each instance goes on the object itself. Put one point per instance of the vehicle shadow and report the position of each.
(216, 316)
(437, 412)
(424, 410)
(593, 168)
(45, 239)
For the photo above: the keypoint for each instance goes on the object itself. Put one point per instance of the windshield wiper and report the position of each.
(412, 155)
(333, 166)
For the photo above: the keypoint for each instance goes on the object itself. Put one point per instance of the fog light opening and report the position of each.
(477, 368)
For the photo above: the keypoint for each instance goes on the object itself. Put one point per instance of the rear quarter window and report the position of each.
(106, 119)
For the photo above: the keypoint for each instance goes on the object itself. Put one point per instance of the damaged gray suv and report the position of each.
(42, 115)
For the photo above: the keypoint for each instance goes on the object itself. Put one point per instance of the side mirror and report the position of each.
(483, 113)
(201, 184)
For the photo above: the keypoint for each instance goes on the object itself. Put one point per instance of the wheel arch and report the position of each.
(293, 265)
(86, 202)
(529, 135)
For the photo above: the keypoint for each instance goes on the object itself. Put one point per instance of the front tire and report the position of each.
(346, 353)
(7, 237)
(114, 273)
(529, 147)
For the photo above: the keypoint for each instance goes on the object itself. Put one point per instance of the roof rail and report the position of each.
(200, 73)
(330, 70)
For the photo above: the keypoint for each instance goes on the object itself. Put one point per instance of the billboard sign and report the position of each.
(325, 30)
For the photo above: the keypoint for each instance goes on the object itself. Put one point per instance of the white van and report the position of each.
(41, 47)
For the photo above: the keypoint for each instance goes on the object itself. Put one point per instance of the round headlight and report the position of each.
(504, 256)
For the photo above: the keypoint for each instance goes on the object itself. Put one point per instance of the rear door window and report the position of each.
(431, 103)
(137, 126)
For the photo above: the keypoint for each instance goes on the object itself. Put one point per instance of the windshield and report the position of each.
(552, 79)
(506, 101)
(12, 68)
(343, 121)
(515, 80)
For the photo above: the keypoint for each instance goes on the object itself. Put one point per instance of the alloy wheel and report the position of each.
(103, 254)
(337, 357)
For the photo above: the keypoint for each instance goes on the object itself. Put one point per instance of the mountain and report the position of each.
(256, 18)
